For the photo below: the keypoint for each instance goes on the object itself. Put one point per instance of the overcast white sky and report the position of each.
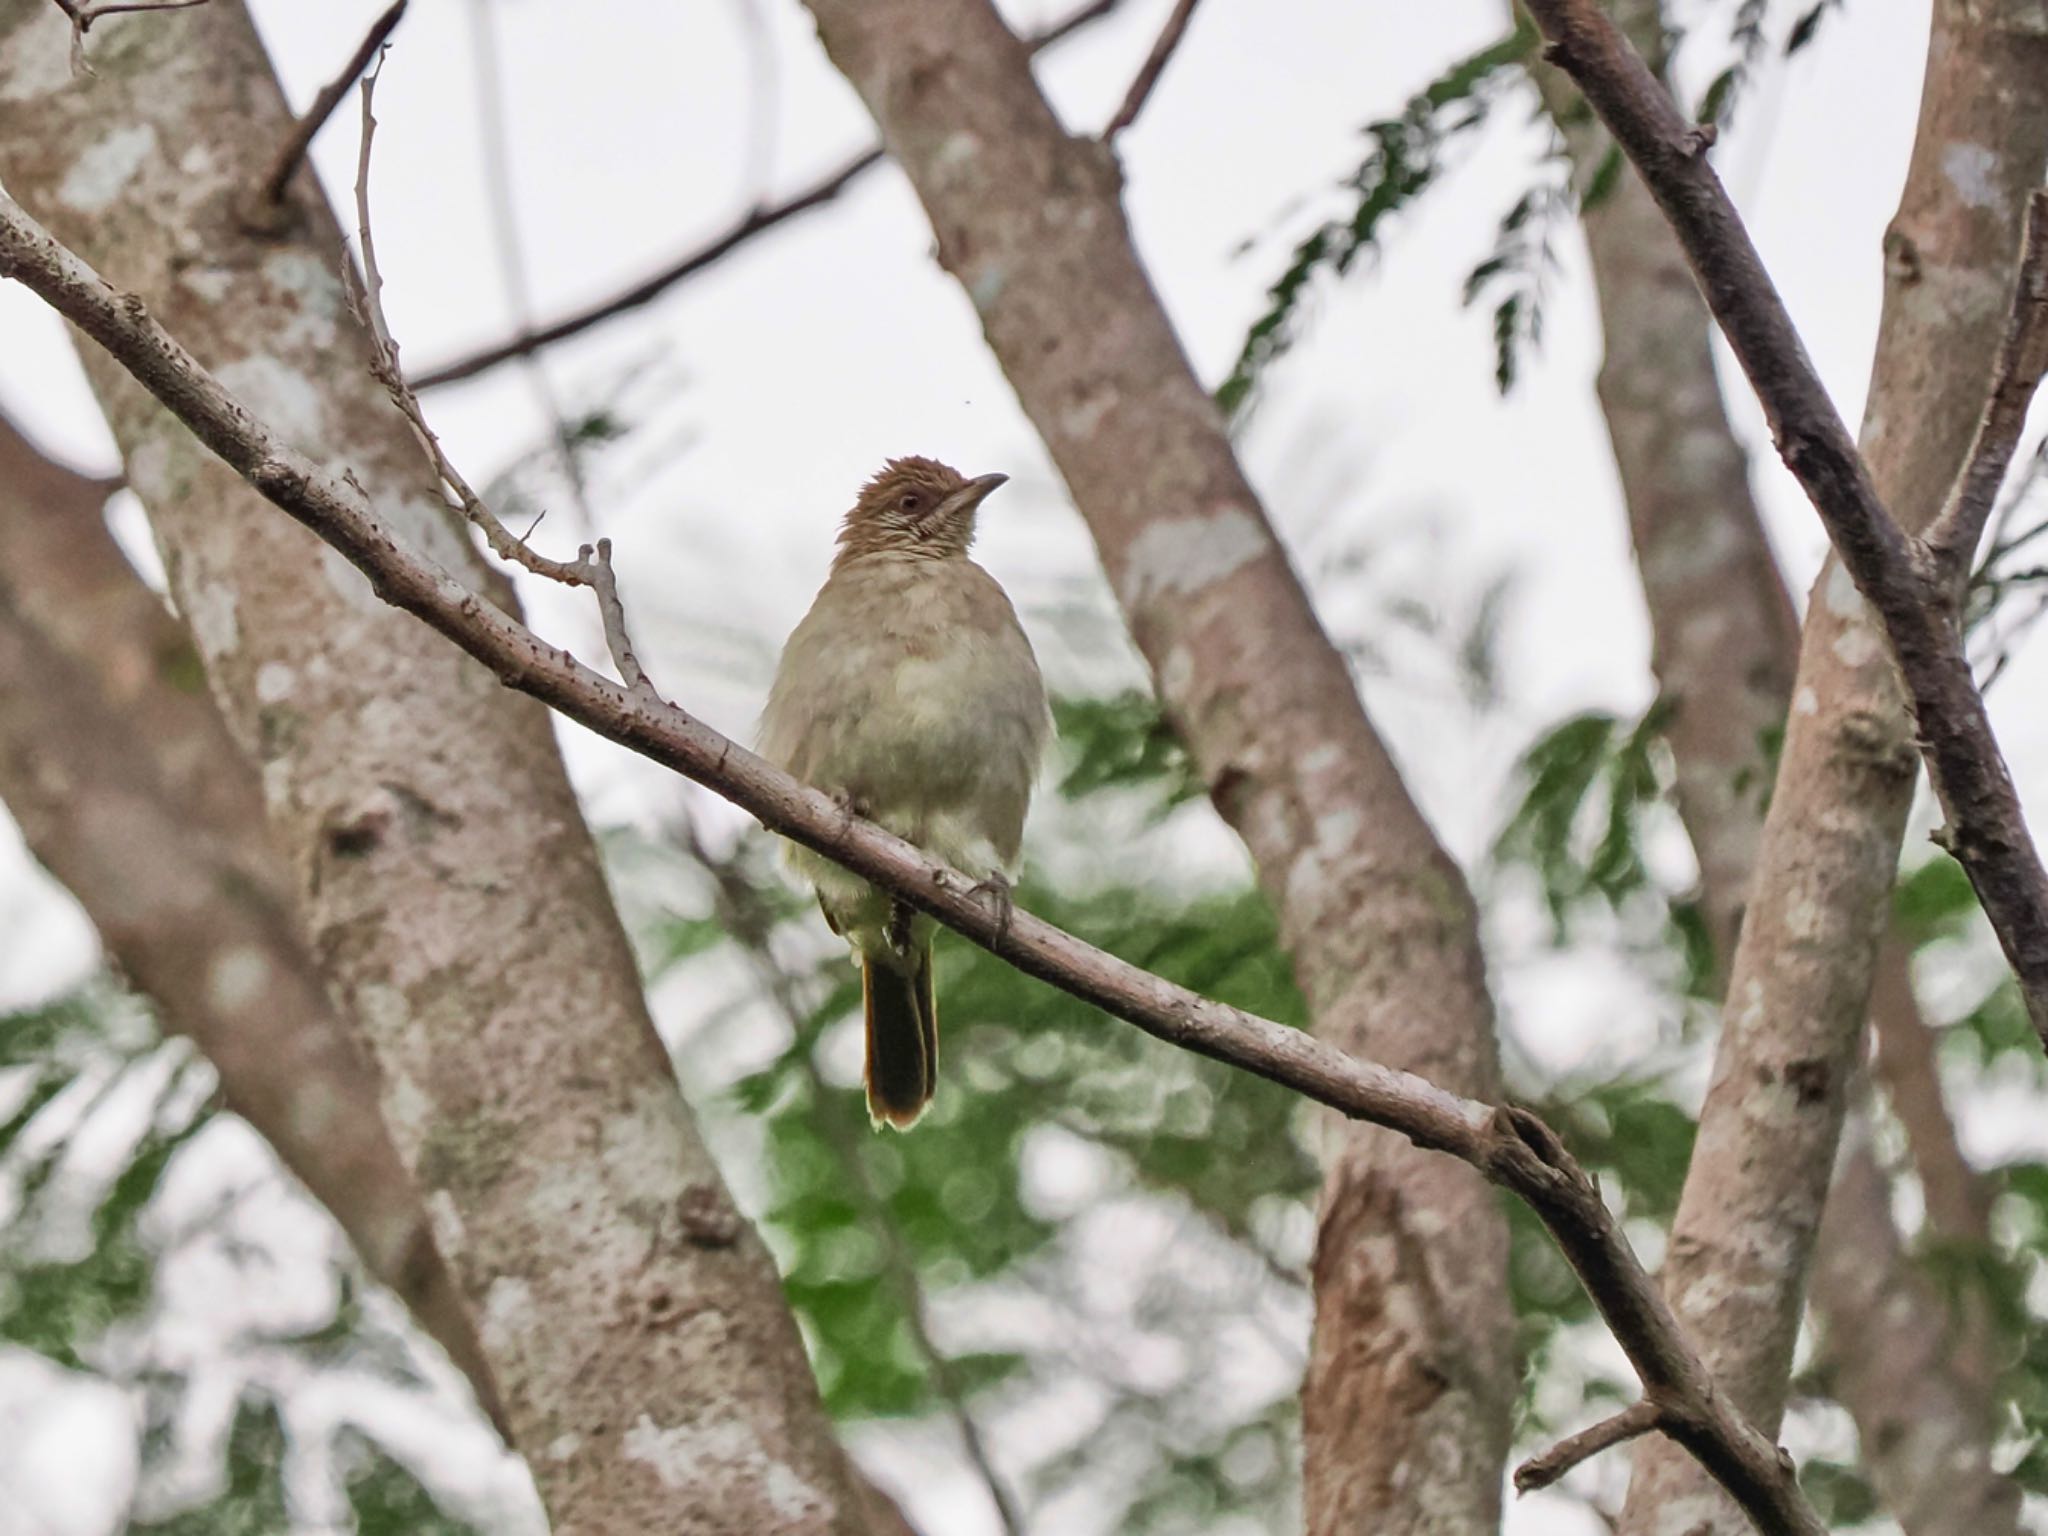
(781, 378)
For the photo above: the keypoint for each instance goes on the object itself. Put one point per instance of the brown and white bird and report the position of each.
(910, 693)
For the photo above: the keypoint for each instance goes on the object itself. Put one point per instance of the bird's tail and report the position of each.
(903, 1036)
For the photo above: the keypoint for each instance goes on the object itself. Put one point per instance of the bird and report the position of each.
(910, 693)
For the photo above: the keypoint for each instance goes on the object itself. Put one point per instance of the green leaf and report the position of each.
(1807, 27)
(1405, 157)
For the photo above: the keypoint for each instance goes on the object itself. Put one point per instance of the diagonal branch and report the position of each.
(1510, 1147)
(1149, 72)
(1900, 577)
(293, 149)
(129, 790)
(758, 222)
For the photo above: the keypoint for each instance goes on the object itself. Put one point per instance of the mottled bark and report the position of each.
(1511, 1147)
(1725, 648)
(648, 1366)
(1802, 972)
(1411, 1375)
(128, 790)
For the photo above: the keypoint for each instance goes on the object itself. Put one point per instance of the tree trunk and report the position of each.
(128, 790)
(1411, 1376)
(1725, 648)
(648, 1366)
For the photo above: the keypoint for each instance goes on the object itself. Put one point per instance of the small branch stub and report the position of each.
(1147, 78)
(1638, 1418)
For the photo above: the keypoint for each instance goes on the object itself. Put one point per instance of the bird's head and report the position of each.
(916, 507)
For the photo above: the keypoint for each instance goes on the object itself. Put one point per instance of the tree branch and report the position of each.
(758, 222)
(1898, 575)
(1639, 1418)
(1508, 1146)
(1150, 71)
(270, 192)
(2015, 377)
(1725, 651)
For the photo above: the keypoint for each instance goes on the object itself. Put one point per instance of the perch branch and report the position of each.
(1509, 1146)
(1906, 582)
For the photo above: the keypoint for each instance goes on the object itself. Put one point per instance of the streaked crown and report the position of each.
(914, 506)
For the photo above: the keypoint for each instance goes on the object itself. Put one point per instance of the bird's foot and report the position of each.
(851, 806)
(1002, 900)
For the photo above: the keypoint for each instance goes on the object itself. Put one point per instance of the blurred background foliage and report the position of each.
(1091, 1235)
(1090, 1231)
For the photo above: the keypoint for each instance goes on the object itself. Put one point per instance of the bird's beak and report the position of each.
(970, 496)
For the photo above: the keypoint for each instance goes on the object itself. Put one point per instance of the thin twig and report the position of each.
(83, 16)
(1507, 1145)
(592, 566)
(270, 190)
(2022, 361)
(1150, 71)
(759, 221)
(1913, 592)
(1639, 1418)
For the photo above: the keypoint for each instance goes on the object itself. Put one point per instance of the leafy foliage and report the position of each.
(1405, 156)
(1591, 787)
(1807, 26)
(1515, 274)
(1122, 741)
(1746, 36)
(100, 1113)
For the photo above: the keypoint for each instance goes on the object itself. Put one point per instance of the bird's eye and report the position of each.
(911, 501)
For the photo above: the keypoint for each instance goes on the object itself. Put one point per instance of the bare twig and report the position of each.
(1150, 71)
(1911, 590)
(1509, 1146)
(757, 222)
(1639, 1418)
(83, 16)
(2016, 376)
(270, 191)
(592, 566)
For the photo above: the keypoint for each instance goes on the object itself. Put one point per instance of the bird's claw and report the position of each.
(1002, 899)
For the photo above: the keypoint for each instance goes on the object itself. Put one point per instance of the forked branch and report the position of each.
(1913, 585)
